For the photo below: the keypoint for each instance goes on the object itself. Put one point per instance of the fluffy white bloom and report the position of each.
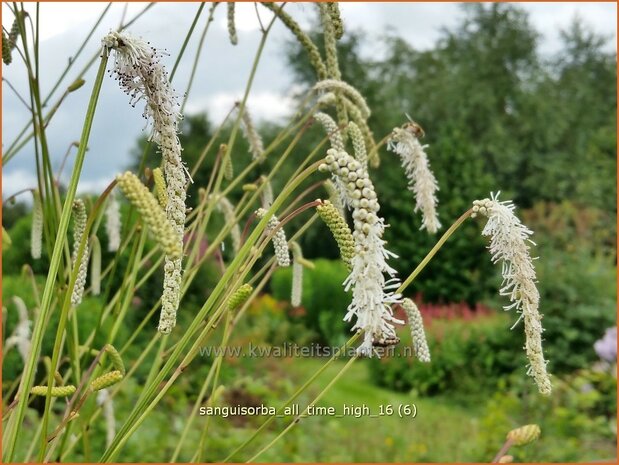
(104, 400)
(509, 244)
(415, 322)
(421, 179)
(372, 294)
(280, 244)
(112, 223)
(138, 69)
(20, 337)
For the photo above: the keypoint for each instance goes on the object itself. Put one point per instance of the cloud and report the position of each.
(222, 70)
(262, 105)
(18, 180)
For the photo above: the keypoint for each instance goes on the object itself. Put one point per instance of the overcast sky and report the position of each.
(222, 72)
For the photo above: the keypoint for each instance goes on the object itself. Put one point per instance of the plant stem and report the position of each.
(15, 423)
(434, 250)
(298, 419)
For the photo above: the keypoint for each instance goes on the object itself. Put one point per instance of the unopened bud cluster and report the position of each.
(106, 380)
(524, 435)
(79, 229)
(415, 322)
(340, 230)
(280, 244)
(57, 391)
(372, 294)
(481, 207)
(240, 296)
(359, 188)
(160, 187)
(151, 213)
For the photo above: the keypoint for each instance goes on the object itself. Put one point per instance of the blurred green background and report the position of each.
(498, 115)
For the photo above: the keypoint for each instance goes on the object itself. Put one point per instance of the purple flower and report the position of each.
(606, 348)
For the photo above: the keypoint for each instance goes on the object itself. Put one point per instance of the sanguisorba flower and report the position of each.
(104, 400)
(280, 244)
(256, 146)
(112, 223)
(227, 209)
(372, 294)
(36, 235)
(20, 337)
(296, 293)
(336, 223)
(422, 182)
(95, 265)
(141, 75)
(79, 229)
(330, 127)
(415, 322)
(151, 213)
(509, 244)
(231, 26)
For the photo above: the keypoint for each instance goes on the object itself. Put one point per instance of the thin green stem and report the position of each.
(14, 426)
(304, 414)
(292, 398)
(434, 250)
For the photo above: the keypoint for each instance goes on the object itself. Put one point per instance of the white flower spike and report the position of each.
(372, 294)
(509, 244)
(141, 75)
(422, 182)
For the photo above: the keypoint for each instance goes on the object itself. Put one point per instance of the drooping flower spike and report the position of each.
(415, 322)
(509, 244)
(20, 337)
(112, 223)
(36, 235)
(79, 229)
(404, 141)
(256, 146)
(373, 295)
(280, 244)
(138, 69)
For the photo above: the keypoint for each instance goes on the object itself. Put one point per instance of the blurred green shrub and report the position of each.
(21, 286)
(578, 421)
(467, 356)
(577, 280)
(324, 300)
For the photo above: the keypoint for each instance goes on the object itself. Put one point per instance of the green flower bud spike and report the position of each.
(151, 213)
(240, 296)
(340, 230)
(106, 380)
(160, 187)
(524, 435)
(57, 391)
